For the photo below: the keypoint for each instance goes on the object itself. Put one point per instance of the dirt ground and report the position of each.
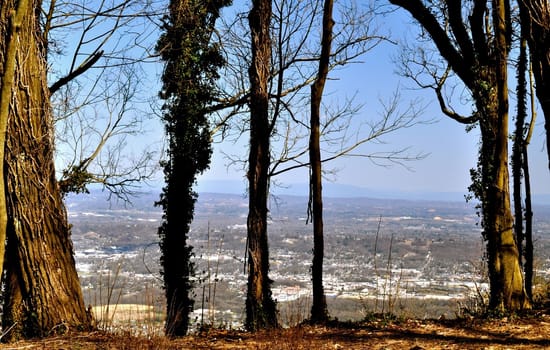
(527, 333)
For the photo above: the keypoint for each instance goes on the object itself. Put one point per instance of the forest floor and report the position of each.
(508, 333)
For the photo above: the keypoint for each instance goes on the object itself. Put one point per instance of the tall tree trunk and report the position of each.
(529, 253)
(518, 147)
(190, 70)
(261, 309)
(505, 275)
(520, 168)
(11, 26)
(42, 291)
(319, 311)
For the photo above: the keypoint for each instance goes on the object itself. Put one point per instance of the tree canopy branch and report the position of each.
(87, 64)
(428, 21)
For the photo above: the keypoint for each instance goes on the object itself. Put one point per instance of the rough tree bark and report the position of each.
(42, 291)
(319, 310)
(11, 27)
(261, 309)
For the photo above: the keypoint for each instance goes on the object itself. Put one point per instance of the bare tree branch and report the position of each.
(84, 66)
(344, 145)
(96, 103)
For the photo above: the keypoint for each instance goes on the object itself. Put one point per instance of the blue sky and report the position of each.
(452, 151)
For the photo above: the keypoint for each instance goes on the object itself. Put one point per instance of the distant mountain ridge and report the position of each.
(146, 198)
(337, 190)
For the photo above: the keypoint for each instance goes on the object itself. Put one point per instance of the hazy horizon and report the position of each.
(330, 190)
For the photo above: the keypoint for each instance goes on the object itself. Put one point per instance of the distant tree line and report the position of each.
(249, 75)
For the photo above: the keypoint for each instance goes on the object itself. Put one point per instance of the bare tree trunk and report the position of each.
(319, 311)
(529, 249)
(529, 253)
(518, 147)
(260, 307)
(42, 291)
(520, 168)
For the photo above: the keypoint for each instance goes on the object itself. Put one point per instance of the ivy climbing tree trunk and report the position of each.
(190, 72)
(261, 309)
(42, 291)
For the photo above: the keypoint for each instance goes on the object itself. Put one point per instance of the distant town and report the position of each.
(411, 258)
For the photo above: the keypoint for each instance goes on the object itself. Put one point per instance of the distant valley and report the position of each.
(411, 258)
